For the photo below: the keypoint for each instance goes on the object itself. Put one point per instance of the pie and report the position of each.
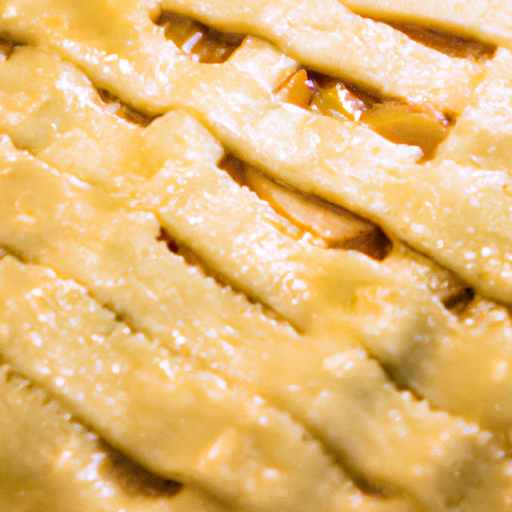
(255, 256)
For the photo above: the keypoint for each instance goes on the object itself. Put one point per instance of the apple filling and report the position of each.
(122, 110)
(200, 42)
(336, 226)
(402, 123)
(452, 45)
(6, 48)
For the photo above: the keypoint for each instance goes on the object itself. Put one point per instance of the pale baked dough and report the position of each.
(254, 365)
(488, 20)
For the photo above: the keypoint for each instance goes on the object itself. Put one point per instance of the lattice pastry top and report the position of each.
(255, 256)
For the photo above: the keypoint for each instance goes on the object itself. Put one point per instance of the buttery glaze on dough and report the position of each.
(352, 166)
(326, 294)
(282, 404)
(487, 20)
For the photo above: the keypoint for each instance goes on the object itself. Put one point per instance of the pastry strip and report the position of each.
(59, 462)
(486, 20)
(482, 136)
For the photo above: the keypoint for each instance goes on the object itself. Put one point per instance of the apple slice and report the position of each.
(335, 99)
(416, 125)
(338, 227)
(6, 48)
(204, 44)
(298, 89)
(450, 44)
(454, 295)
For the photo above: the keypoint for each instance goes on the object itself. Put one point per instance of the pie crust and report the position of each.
(255, 256)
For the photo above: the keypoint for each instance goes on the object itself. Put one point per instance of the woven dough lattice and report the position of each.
(255, 256)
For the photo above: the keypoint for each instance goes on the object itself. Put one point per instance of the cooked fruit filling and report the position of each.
(297, 89)
(400, 122)
(136, 479)
(6, 48)
(202, 43)
(452, 45)
(336, 226)
(454, 295)
(122, 110)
